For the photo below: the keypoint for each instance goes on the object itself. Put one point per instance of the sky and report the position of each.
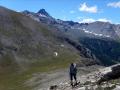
(75, 10)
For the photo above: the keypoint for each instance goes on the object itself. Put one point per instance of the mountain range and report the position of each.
(101, 38)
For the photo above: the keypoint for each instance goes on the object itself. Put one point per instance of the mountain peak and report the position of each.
(43, 12)
(26, 12)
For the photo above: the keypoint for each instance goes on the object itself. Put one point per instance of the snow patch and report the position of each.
(96, 34)
(41, 15)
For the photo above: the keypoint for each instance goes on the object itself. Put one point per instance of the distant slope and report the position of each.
(108, 51)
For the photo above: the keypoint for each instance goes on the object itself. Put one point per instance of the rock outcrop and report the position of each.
(113, 73)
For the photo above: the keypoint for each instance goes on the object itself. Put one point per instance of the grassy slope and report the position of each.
(39, 58)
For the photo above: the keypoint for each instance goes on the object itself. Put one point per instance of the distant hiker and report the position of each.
(73, 73)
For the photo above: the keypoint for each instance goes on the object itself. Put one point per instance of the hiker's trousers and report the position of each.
(73, 76)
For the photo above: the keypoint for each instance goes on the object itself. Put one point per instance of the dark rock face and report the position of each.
(114, 74)
(86, 52)
(71, 23)
(43, 12)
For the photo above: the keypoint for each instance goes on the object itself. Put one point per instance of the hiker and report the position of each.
(73, 73)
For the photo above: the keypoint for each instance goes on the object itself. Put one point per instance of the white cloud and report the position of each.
(72, 12)
(90, 20)
(104, 20)
(90, 9)
(114, 4)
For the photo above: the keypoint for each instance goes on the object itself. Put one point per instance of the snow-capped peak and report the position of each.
(43, 13)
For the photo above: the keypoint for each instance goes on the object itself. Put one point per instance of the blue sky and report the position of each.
(76, 10)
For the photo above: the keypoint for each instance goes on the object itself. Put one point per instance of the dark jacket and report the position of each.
(73, 69)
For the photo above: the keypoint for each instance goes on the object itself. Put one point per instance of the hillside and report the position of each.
(28, 47)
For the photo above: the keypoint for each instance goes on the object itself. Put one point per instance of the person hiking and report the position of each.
(73, 73)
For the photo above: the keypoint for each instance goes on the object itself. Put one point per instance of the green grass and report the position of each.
(10, 78)
(13, 80)
(54, 63)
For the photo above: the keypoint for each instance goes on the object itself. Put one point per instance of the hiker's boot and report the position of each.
(76, 83)
(72, 84)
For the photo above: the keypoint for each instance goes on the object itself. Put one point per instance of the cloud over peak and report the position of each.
(114, 4)
(90, 9)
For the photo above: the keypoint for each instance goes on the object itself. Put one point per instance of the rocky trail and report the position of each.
(88, 80)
